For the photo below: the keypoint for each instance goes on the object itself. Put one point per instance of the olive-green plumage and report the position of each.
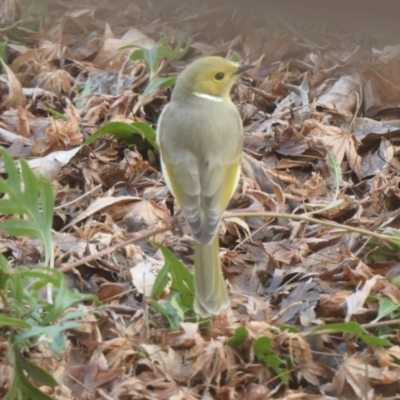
(201, 139)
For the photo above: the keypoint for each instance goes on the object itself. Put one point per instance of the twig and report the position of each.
(139, 238)
(108, 250)
(329, 224)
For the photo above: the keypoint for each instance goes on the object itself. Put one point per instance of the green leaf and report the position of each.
(150, 56)
(57, 114)
(160, 282)
(345, 327)
(168, 52)
(39, 374)
(136, 55)
(49, 332)
(5, 272)
(147, 132)
(355, 329)
(3, 51)
(240, 335)
(16, 293)
(9, 207)
(375, 341)
(13, 181)
(262, 346)
(65, 298)
(386, 307)
(47, 202)
(182, 280)
(180, 298)
(125, 132)
(158, 81)
(9, 321)
(235, 58)
(31, 192)
(73, 315)
(20, 227)
(262, 349)
(276, 363)
(22, 386)
(288, 328)
(33, 197)
(43, 275)
(165, 51)
(183, 51)
(164, 40)
(169, 312)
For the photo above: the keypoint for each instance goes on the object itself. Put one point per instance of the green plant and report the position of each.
(263, 351)
(238, 338)
(3, 51)
(179, 301)
(155, 60)
(352, 328)
(25, 194)
(127, 132)
(28, 317)
(161, 50)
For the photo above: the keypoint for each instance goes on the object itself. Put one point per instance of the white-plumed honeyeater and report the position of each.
(201, 139)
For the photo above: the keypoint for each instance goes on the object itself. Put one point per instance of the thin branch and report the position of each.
(108, 250)
(139, 238)
(304, 218)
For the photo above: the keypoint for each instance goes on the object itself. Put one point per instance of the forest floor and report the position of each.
(310, 241)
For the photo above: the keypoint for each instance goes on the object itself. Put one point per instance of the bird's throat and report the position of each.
(209, 97)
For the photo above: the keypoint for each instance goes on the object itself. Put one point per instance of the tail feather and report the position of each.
(211, 296)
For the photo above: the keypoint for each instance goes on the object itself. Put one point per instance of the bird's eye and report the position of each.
(219, 76)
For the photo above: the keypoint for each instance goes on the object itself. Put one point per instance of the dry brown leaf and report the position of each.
(111, 57)
(101, 204)
(355, 302)
(358, 375)
(57, 82)
(315, 373)
(23, 123)
(143, 214)
(341, 142)
(210, 358)
(15, 97)
(144, 273)
(50, 165)
(344, 94)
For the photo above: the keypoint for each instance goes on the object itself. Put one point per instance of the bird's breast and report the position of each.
(209, 130)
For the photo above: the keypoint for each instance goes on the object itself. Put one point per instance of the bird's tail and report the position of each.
(211, 296)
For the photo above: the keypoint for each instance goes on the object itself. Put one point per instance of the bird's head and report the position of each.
(209, 76)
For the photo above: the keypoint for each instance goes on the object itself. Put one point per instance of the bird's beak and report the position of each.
(243, 68)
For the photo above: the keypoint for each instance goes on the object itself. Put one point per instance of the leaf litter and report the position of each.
(321, 131)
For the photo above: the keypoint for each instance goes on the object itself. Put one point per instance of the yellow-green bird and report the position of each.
(200, 136)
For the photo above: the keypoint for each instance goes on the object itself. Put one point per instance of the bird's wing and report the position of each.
(218, 183)
(184, 183)
(203, 199)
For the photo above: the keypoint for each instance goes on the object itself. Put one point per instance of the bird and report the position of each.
(200, 138)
